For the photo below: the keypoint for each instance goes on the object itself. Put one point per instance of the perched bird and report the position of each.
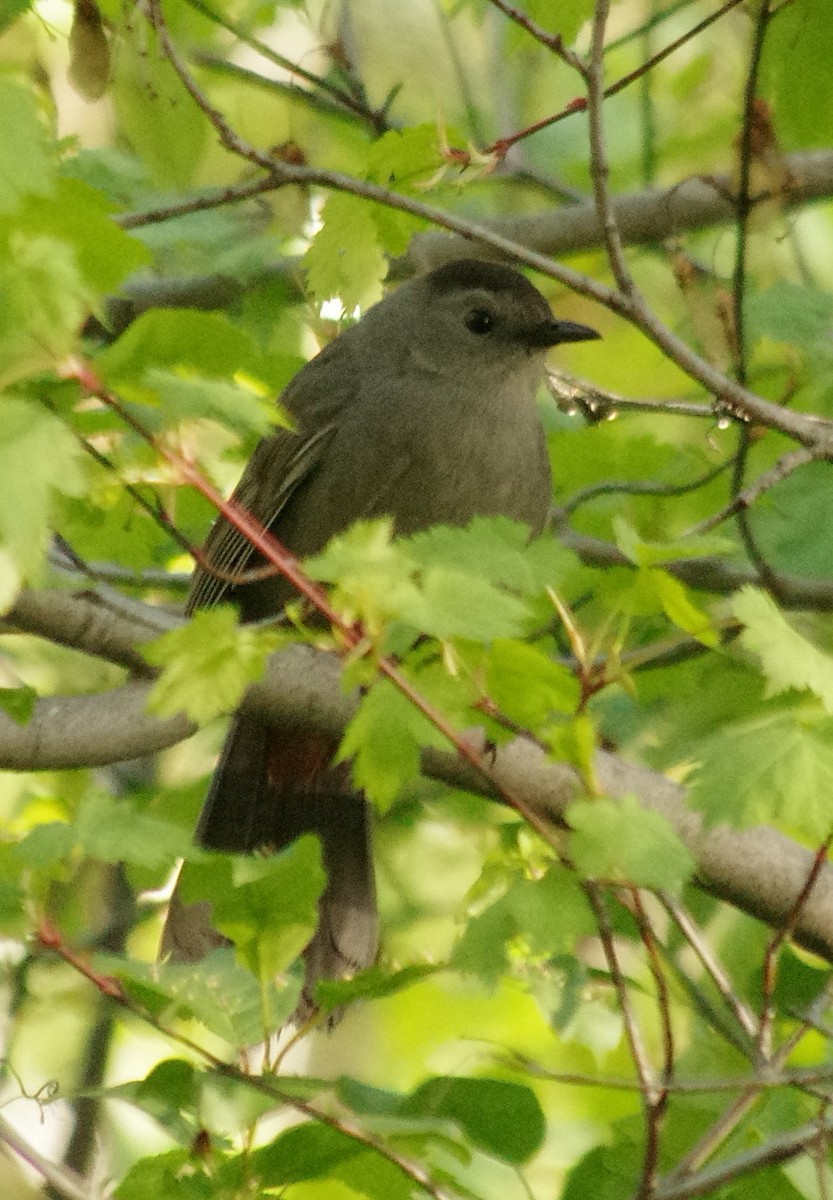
(423, 411)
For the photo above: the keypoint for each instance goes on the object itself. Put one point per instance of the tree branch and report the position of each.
(757, 870)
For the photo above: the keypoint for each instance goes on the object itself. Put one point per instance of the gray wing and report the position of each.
(287, 458)
(314, 399)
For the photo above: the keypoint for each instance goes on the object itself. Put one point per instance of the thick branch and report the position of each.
(757, 870)
(644, 217)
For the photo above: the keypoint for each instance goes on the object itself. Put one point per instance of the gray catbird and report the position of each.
(423, 411)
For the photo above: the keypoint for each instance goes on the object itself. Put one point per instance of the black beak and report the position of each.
(552, 333)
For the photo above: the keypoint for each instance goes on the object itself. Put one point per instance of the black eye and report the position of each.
(479, 321)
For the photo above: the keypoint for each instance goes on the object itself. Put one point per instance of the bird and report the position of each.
(424, 412)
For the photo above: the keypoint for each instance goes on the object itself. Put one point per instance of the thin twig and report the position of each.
(642, 487)
(778, 1150)
(659, 1103)
(647, 1086)
(709, 961)
(776, 944)
(50, 939)
(552, 41)
(64, 1183)
(279, 557)
(744, 499)
(599, 170)
(800, 427)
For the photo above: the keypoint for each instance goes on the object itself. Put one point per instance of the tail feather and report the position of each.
(271, 786)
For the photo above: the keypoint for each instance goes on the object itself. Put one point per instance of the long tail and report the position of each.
(270, 787)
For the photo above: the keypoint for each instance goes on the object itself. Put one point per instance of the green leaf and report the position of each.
(681, 609)
(771, 769)
(109, 830)
(307, 1151)
(185, 394)
(81, 217)
(18, 703)
(198, 363)
(170, 1094)
(372, 984)
(491, 548)
(38, 457)
(26, 165)
(787, 659)
(115, 831)
(399, 158)
(207, 664)
(384, 740)
(606, 1173)
(43, 301)
(648, 554)
(344, 258)
(787, 312)
(526, 685)
(174, 1174)
(219, 992)
(455, 604)
(596, 1026)
(373, 574)
(796, 59)
(622, 840)
(546, 914)
(10, 10)
(565, 20)
(268, 906)
(501, 1117)
(161, 121)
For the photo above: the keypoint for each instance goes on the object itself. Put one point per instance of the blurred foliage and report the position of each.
(492, 1052)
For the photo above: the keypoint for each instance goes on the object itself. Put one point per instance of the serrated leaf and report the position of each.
(115, 831)
(492, 548)
(401, 157)
(372, 574)
(526, 685)
(46, 844)
(622, 840)
(43, 301)
(81, 217)
(773, 769)
(546, 914)
(38, 457)
(25, 164)
(455, 604)
(344, 258)
(207, 664)
(268, 906)
(384, 739)
(219, 992)
(787, 659)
